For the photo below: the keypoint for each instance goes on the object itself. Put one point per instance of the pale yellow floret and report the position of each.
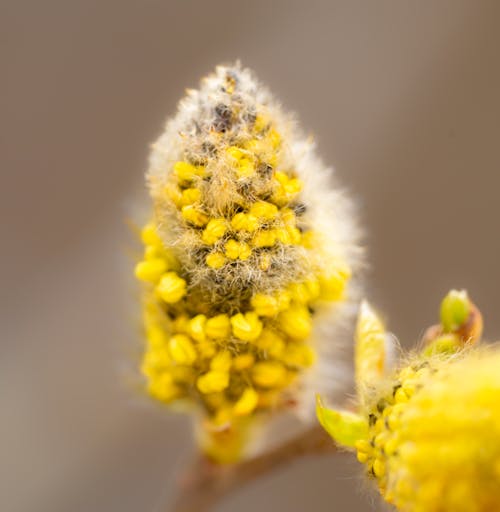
(247, 402)
(218, 327)
(296, 322)
(214, 230)
(150, 270)
(194, 215)
(244, 222)
(265, 305)
(215, 260)
(269, 374)
(265, 238)
(186, 172)
(171, 288)
(237, 250)
(213, 381)
(246, 327)
(182, 350)
(264, 210)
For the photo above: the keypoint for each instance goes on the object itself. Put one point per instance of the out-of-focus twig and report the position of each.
(205, 482)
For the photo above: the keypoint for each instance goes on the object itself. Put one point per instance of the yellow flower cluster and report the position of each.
(229, 305)
(429, 431)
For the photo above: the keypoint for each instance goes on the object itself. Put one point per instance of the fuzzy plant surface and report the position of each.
(248, 265)
(427, 428)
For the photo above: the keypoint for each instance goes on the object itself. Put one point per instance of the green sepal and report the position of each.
(346, 428)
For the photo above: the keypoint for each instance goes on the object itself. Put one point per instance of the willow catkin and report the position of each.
(247, 262)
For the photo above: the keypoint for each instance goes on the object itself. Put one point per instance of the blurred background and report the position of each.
(403, 98)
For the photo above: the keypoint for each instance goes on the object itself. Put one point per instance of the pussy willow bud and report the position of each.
(247, 261)
(428, 432)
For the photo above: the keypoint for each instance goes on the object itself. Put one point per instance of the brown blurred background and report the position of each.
(403, 98)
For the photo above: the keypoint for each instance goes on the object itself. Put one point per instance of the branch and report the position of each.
(207, 482)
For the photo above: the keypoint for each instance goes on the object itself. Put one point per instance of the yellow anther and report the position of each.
(190, 196)
(182, 349)
(378, 468)
(154, 361)
(264, 238)
(333, 284)
(218, 327)
(150, 270)
(245, 168)
(391, 446)
(187, 172)
(243, 361)
(298, 355)
(171, 288)
(196, 328)
(174, 193)
(221, 362)
(296, 322)
(207, 349)
(288, 217)
(283, 236)
(163, 388)
(265, 305)
(274, 138)
(400, 396)
(181, 324)
(265, 262)
(150, 236)
(214, 230)
(363, 446)
(294, 234)
(261, 122)
(237, 250)
(299, 292)
(264, 210)
(246, 327)
(247, 402)
(215, 260)
(284, 299)
(269, 374)
(235, 153)
(213, 381)
(309, 239)
(271, 342)
(156, 337)
(183, 374)
(244, 222)
(194, 216)
(362, 457)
